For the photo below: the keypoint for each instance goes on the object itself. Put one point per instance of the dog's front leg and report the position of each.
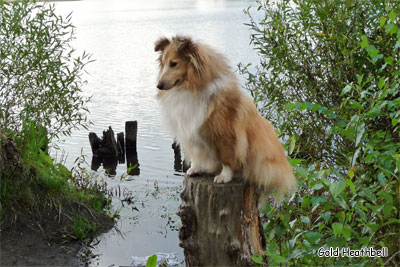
(225, 176)
(202, 161)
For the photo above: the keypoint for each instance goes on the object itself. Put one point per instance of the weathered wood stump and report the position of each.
(106, 147)
(130, 144)
(131, 134)
(220, 223)
(121, 147)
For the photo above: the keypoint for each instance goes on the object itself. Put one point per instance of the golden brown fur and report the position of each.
(217, 125)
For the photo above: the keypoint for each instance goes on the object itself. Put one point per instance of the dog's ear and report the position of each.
(161, 44)
(185, 45)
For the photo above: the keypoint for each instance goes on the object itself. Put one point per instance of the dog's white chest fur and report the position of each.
(183, 114)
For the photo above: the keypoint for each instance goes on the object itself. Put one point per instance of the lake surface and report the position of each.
(120, 35)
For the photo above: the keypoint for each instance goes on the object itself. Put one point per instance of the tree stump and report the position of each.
(220, 223)
(106, 147)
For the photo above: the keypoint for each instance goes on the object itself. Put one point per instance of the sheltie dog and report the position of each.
(216, 124)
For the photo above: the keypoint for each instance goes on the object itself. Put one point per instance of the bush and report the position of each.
(40, 99)
(40, 79)
(310, 50)
(329, 78)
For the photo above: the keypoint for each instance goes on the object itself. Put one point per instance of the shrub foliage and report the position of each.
(329, 79)
(40, 78)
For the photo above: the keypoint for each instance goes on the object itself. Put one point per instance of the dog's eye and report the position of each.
(173, 64)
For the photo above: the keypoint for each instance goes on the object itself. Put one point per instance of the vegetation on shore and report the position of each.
(40, 101)
(329, 80)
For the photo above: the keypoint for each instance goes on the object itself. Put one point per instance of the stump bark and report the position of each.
(106, 147)
(220, 223)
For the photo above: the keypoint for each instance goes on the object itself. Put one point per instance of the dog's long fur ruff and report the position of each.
(217, 125)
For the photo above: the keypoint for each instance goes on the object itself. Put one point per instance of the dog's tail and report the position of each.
(266, 164)
(273, 178)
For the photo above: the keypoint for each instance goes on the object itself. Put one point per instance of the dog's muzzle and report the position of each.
(160, 86)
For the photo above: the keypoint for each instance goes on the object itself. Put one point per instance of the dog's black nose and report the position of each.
(160, 86)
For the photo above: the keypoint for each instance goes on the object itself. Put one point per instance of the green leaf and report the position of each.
(395, 121)
(336, 188)
(364, 42)
(292, 144)
(387, 210)
(381, 82)
(346, 232)
(356, 105)
(257, 259)
(360, 132)
(337, 228)
(392, 16)
(305, 219)
(279, 230)
(373, 227)
(355, 156)
(391, 222)
(326, 215)
(313, 237)
(346, 89)
(351, 185)
(296, 254)
(386, 196)
(152, 261)
(382, 21)
(376, 57)
(305, 203)
(389, 60)
(350, 173)
(277, 258)
(317, 200)
(316, 187)
(341, 203)
(292, 223)
(295, 162)
(372, 51)
(365, 240)
(335, 242)
(391, 28)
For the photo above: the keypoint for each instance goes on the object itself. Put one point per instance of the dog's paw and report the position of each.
(192, 171)
(222, 179)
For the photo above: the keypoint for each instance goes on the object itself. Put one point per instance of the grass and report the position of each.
(32, 183)
(82, 228)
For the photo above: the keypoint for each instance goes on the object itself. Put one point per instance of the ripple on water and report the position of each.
(120, 34)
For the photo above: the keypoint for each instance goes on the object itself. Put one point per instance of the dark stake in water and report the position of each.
(120, 35)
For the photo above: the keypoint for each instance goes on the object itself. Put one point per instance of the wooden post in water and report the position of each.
(220, 223)
(121, 147)
(106, 147)
(131, 134)
(130, 144)
(107, 150)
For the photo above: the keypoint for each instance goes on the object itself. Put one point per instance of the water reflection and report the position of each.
(180, 165)
(132, 162)
(109, 165)
(122, 82)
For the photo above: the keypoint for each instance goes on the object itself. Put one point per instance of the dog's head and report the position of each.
(181, 63)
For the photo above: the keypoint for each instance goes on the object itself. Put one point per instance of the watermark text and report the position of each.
(353, 253)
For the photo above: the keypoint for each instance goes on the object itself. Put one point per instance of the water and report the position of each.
(120, 34)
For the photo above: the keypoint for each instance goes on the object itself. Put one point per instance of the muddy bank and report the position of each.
(49, 241)
(26, 247)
